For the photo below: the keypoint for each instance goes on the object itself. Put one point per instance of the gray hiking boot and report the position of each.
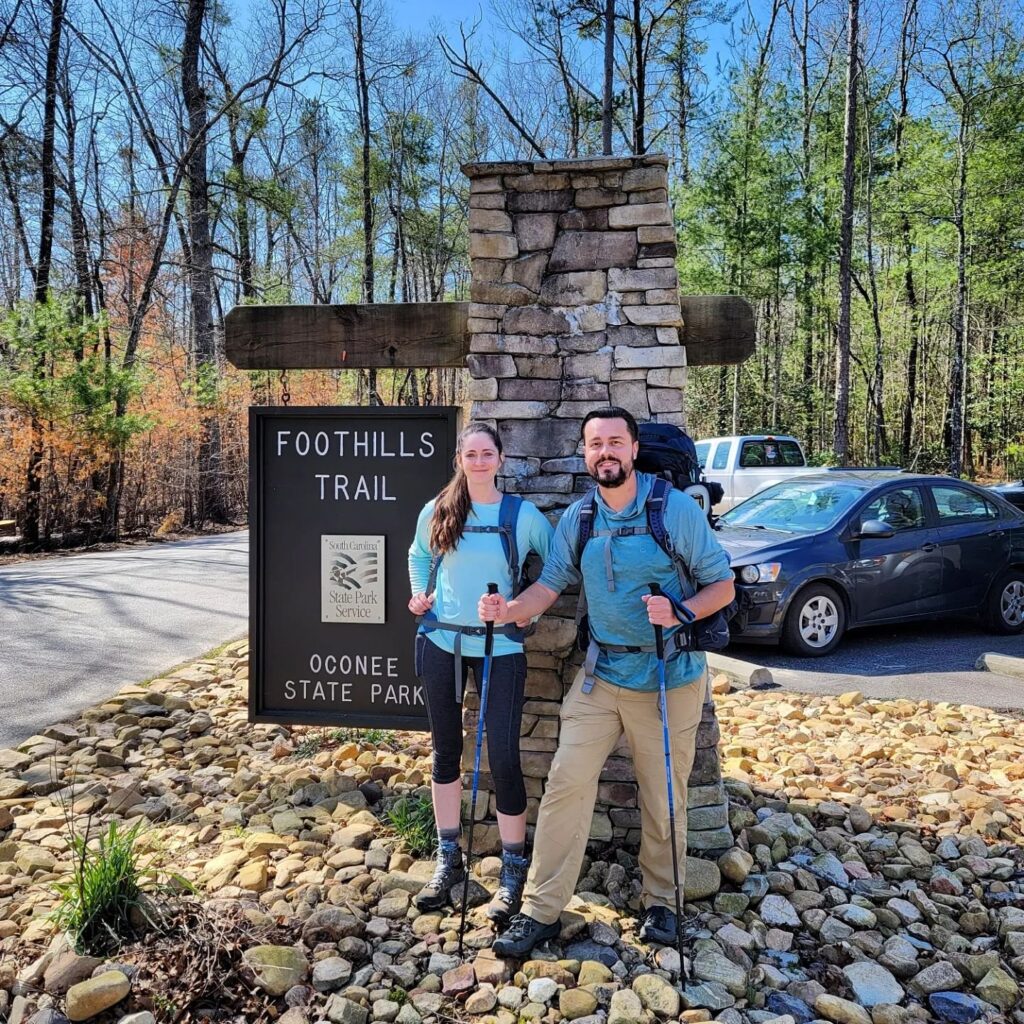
(509, 896)
(449, 871)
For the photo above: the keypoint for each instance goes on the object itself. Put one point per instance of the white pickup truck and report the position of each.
(746, 464)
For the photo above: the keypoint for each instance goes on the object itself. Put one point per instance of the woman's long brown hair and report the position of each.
(451, 509)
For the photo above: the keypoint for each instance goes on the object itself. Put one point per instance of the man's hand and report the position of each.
(660, 611)
(420, 604)
(492, 608)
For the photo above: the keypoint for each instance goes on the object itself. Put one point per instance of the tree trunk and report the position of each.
(79, 233)
(609, 69)
(906, 45)
(364, 129)
(640, 79)
(841, 433)
(957, 365)
(212, 498)
(242, 226)
(879, 439)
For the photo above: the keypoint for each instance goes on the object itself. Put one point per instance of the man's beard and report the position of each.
(622, 474)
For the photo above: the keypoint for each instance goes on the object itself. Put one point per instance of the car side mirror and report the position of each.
(874, 529)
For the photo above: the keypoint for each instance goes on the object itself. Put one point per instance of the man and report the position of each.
(621, 693)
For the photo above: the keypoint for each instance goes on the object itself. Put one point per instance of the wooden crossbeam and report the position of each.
(396, 334)
(718, 329)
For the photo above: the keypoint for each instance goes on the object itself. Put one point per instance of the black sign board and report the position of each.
(334, 494)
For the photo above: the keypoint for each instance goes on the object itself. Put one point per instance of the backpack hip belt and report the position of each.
(460, 632)
(595, 647)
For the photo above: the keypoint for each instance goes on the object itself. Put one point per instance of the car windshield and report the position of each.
(795, 506)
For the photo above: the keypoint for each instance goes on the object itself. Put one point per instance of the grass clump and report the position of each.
(413, 819)
(96, 906)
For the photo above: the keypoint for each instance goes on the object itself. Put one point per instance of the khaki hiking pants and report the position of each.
(591, 726)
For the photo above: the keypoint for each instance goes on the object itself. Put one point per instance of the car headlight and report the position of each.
(765, 572)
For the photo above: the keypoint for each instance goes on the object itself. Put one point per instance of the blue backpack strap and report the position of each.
(656, 503)
(585, 528)
(508, 517)
(435, 564)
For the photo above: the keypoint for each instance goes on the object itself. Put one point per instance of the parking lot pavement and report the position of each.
(75, 629)
(920, 661)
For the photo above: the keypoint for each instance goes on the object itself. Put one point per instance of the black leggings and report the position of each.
(436, 671)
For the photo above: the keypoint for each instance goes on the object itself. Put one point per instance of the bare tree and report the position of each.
(841, 435)
(607, 92)
(908, 46)
(464, 67)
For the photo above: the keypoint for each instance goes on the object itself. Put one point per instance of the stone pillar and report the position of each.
(575, 305)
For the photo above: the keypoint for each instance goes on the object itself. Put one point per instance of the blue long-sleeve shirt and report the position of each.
(463, 575)
(619, 616)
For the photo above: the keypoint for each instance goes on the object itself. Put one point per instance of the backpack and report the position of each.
(508, 517)
(668, 452)
(708, 634)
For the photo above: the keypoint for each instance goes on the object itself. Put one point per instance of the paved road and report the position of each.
(922, 661)
(73, 630)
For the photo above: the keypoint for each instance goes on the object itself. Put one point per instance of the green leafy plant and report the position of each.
(310, 745)
(413, 819)
(96, 905)
(370, 736)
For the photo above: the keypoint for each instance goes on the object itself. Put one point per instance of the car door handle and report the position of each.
(929, 546)
(996, 533)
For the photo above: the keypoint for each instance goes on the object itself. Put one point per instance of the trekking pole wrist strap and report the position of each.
(683, 613)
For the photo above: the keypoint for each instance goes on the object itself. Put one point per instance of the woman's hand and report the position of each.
(660, 611)
(420, 604)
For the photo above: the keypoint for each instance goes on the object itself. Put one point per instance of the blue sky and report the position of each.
(418, 14)
(423, 15)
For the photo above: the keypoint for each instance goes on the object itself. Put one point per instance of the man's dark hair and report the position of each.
(612, 412)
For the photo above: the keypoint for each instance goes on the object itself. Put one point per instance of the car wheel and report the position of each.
(815, 622)
(1005, 611)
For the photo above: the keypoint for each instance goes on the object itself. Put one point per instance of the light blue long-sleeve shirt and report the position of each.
(619, 616)
(463, 575)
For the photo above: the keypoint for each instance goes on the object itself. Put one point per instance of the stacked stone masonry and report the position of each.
(574, 305)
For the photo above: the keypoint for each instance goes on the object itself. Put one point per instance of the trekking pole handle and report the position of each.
(492, 588)
(659, 632)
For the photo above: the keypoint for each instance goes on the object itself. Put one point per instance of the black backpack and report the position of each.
(667, 451)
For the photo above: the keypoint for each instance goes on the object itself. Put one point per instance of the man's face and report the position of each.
(609, 451)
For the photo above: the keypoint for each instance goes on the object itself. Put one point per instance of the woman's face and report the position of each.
(479, 458)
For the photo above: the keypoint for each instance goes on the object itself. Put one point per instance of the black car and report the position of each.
(1013, 493)
(817, 555)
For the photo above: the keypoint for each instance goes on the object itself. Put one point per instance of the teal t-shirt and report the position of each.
(617, 571)
(463, 575)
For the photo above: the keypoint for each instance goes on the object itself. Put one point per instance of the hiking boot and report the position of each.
(659, 925)
(448, 872)
(509, 896)
(522, 934)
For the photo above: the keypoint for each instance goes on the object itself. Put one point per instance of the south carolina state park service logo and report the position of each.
(352, 579)
(354, 573)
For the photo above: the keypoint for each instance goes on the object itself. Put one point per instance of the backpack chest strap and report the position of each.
(620, 531)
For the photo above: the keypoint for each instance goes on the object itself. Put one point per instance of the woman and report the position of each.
(468, 536)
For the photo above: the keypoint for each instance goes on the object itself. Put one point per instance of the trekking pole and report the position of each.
(659, 643)
(492, 588)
